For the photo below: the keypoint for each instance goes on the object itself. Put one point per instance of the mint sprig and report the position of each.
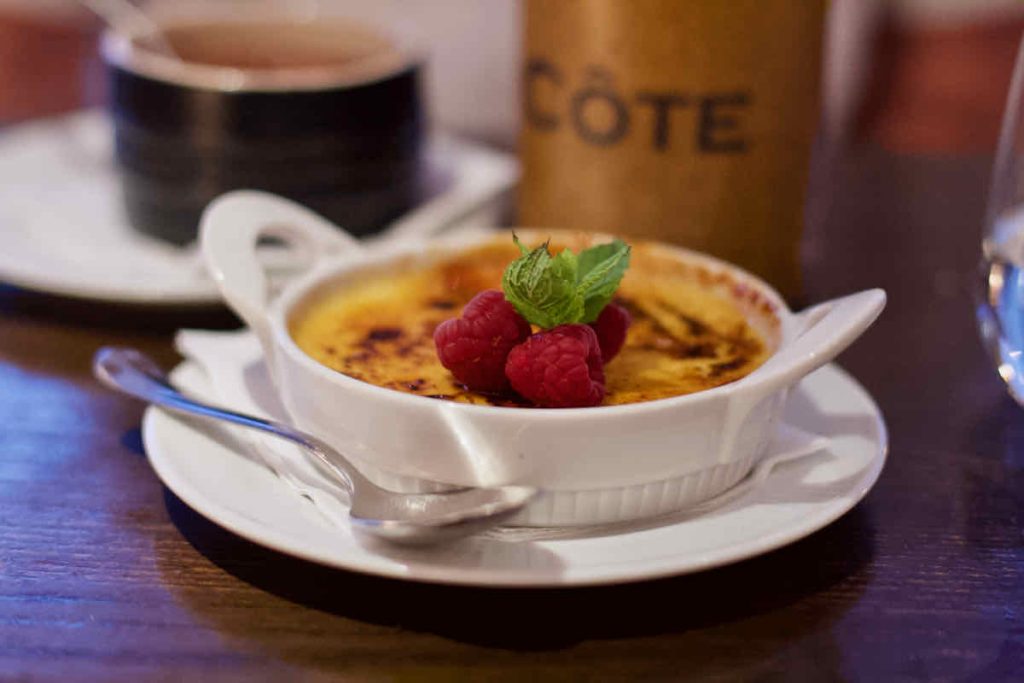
(567, 288)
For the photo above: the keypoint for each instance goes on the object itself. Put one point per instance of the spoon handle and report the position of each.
(130, 21)
(135, 374)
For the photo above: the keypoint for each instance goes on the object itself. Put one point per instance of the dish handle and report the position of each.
(825, 330)
(230, 230)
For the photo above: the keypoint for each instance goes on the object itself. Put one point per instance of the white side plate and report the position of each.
(62, 229)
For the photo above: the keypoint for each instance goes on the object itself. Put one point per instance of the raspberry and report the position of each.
(611, 327)
(560, 368)
(475, 346)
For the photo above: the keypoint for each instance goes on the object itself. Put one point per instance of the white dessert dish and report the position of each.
(597, 465)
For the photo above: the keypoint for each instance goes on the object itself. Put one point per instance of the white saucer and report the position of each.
(215, 473)
(62, 229)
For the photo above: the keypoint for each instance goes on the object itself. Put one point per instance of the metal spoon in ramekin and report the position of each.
(408, 518)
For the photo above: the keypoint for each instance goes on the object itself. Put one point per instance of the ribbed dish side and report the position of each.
(600, 506)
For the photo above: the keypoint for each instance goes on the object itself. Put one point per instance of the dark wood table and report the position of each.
(108, 576)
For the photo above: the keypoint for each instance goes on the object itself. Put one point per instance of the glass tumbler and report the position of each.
(1000, 290)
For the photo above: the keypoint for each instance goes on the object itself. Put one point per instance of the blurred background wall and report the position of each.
(937, 72)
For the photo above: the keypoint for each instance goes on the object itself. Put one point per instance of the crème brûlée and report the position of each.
(693, 328)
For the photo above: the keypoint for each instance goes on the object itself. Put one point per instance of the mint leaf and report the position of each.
(523, 251)
(543, 289)
(565, 266)
(567, 288)
(600, 271)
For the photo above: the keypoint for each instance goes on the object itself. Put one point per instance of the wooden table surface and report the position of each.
(105, 575)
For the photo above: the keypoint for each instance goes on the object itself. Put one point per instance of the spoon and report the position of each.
(128, 20)
(407, 518)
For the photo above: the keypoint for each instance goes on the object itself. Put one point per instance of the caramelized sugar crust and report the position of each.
(688, 332)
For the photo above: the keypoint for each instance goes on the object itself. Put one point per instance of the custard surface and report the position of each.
(685, 336)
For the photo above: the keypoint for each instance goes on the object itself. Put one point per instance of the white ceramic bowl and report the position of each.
(594, 465)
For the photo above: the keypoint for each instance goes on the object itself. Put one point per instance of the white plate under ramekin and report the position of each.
(212, 470)
(595, 465)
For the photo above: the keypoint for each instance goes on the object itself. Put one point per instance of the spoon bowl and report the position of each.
(405, 518)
